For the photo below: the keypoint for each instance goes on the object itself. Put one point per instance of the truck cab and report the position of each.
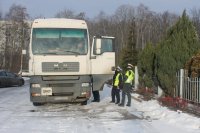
(63, 66)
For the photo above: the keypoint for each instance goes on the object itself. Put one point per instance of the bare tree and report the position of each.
(65, 14)
(149, 25)
(70, 14)
(81, 15)
(142, 20)
(2, 43)
(123, 17)
(17, 13)
(15, 36)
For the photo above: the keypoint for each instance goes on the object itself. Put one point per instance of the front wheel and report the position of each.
(84, 103)
(37, 104)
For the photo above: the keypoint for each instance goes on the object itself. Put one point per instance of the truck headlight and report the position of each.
(85, 84)
(35, 85)
(86, 94)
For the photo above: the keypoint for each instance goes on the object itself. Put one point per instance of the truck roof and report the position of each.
(59, 23)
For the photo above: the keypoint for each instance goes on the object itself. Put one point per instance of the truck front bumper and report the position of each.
(60, 89)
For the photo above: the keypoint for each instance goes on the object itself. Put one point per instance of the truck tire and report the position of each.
(37, 104)
(84, 103)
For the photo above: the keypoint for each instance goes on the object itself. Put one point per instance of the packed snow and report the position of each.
(18, 115)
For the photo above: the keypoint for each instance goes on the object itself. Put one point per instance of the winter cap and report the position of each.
(129, 66)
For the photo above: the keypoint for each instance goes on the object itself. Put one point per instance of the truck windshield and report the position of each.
(59, 41)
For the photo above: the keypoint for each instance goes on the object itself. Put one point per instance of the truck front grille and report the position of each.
(60, 67)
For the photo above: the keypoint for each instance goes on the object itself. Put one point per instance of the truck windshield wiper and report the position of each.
(59, 52)
(77, 53)
(53, 53)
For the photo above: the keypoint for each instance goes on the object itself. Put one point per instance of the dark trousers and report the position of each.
(115, 93)
(96, 95)
(126, 91)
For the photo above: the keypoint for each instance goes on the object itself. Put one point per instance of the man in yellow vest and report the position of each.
(127, 87)
(117, 85)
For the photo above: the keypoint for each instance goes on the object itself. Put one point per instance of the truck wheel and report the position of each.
(84, 103)
(37, 104)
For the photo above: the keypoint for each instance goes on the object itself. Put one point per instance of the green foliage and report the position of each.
(129, 53)
(128, 56)
(173, 52)
(146, 65)
(146, 81)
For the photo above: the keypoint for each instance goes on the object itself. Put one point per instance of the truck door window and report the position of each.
(106, 45)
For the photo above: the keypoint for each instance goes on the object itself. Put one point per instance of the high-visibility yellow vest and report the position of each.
(130, 76)
(116, 82)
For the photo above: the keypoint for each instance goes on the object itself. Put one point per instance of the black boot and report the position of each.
(96, 96)
(96, 100)
(121, 105)
(117, 103)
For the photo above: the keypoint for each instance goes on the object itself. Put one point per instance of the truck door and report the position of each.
(102, 60)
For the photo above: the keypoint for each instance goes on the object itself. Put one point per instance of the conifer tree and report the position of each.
(146, 65)
(180, 44)
(129, 52)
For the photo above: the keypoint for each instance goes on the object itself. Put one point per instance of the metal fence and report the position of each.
(187, 88)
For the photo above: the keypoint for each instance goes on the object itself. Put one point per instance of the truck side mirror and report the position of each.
(98, 46)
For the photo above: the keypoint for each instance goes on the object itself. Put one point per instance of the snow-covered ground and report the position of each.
(18, 115)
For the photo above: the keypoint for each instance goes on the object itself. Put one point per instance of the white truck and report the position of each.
(59, 70)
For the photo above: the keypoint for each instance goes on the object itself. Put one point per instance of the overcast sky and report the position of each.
(48, 8)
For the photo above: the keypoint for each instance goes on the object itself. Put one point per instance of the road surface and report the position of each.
(18, 115)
